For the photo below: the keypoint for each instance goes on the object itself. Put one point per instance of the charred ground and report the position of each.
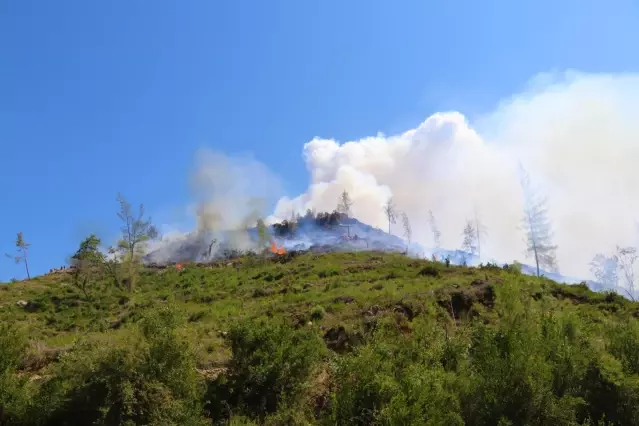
(309, 338)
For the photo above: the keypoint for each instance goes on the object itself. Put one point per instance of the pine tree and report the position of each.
(537, 227)
(469, 243)
(434, 229)
(408, 232)
(344, 204)
(22, 247)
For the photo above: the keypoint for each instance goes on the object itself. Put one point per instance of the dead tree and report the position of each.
(391, 212)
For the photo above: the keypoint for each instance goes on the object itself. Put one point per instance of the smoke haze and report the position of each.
(230, 193)
(576, 134)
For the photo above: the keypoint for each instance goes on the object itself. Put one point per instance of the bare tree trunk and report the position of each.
(26, 264)
(536, 258)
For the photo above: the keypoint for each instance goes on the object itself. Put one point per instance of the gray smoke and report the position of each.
(230, 193)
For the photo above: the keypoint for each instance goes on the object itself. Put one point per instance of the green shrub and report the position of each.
(149, 379)
(395, 381)
(330, 271)
(317, 313)
(13, 388)
(270, 365)
(624, 345)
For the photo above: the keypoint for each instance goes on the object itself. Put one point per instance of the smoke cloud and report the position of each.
(574, 133)
(230, 193)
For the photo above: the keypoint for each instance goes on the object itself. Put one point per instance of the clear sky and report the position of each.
(101, 97)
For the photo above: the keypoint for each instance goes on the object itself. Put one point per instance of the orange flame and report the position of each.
(179, 266)
(277, 250)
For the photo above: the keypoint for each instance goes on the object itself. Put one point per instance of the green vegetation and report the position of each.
(302, 339)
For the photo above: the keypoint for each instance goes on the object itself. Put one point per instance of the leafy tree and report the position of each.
(22, 256)
(537, 227)
(391, 212)
(344, 204)
(87, 262)
(112, 266)
(470, 242)
(136, 231)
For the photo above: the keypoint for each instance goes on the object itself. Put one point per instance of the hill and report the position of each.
(325, 232)
(318, 338)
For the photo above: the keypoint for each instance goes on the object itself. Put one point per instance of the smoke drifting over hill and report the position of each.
(575, 134)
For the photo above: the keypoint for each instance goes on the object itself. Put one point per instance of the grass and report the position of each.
(358, 306)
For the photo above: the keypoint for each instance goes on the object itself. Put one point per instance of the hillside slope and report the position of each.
(325, 232)
(309, 338)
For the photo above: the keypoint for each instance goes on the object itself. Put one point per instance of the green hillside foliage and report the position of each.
(331, 339)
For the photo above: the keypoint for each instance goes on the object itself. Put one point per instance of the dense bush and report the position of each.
(270, 365)
(147, 379)
(13, 390)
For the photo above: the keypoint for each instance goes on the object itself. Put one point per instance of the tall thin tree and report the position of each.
(408, 231)
(434, 229)
(480, 230)
(22, 248)
(469, 243)
(627, 256)
(87, 262)
(136, 232)
(391, 212)
(262, 234)
(537, 227)
(345, 204)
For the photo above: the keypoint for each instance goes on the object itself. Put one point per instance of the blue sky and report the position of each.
(101, 97)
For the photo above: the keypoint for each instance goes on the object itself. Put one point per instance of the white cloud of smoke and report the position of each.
(230, 193)
(575, 134)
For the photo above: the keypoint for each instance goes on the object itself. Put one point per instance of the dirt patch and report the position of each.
(344, 299)
(429, 271)
(340, 340)
(211, 373)
(39, 356)
(287, 257)
(459, 301)
(405, 310)
(359, 268)
(372, 311)
(561, 294)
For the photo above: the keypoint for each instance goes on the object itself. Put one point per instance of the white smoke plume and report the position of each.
(576, 134)
(230, 193)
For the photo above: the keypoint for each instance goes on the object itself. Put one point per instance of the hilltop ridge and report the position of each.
(325, 232)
